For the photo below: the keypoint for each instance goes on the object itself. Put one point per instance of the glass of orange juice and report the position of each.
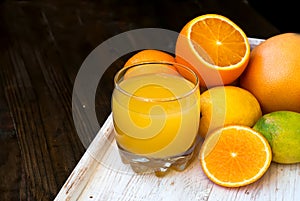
(156, 114)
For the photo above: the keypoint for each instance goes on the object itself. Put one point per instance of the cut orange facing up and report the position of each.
(215, 47)
(150, 55)
(235, 156)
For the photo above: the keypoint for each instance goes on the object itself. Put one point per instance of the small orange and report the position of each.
(235, 155)
(214, 47)
(150, 55)
(273, 73)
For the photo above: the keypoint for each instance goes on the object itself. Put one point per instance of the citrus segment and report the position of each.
(214, 47)
(235, 156)
(224, 45)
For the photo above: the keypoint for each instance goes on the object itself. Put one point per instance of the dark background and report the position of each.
(282, 14)
(43, 44)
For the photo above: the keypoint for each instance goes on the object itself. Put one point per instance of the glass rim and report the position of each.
(145, 99)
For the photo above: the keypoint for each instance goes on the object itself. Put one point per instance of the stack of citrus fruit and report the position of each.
(236, 150)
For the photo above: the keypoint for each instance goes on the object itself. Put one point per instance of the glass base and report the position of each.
(142, 164)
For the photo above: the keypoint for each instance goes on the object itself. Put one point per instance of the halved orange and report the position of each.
(150, 55)
(215, 47)
(235, 156)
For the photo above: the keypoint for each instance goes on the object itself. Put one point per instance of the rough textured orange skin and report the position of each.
(273, 73)
(208, 77)
(149, 55)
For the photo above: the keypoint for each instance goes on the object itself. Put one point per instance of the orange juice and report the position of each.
(156, 115)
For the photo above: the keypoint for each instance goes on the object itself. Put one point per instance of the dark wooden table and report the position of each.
(43, 44)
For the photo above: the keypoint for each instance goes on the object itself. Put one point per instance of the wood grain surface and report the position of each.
(43, 44)
(100, 175)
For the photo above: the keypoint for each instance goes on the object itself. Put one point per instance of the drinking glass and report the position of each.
(156, 114)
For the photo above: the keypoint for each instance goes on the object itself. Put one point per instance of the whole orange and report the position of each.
(273, 73)
(150, 55)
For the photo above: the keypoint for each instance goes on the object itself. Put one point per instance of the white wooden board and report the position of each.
(101, 176)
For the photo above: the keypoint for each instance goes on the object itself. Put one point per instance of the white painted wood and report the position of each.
(254, 42)
(101, 176)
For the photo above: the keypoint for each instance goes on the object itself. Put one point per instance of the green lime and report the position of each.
(282, 130)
